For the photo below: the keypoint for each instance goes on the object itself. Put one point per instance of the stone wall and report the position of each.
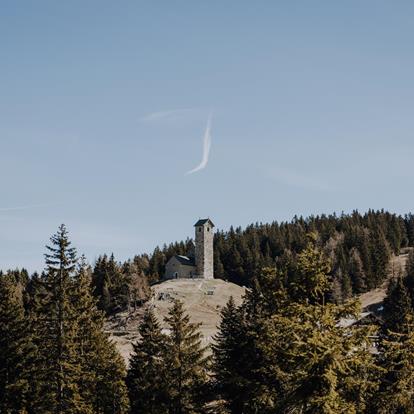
(174, 266)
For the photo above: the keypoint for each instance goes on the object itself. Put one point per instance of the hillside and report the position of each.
(203, 300)
(374, 297)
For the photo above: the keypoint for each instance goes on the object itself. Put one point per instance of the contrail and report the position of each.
(206, 148)
(23, 207)
(170, 114)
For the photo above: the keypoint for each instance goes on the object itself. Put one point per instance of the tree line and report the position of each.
(285, 349)
(359, 246)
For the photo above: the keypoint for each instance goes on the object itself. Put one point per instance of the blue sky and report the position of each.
(103, 107)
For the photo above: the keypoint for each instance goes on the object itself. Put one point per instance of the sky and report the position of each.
(104, 108)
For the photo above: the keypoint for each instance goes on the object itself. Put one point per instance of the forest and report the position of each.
(359, 245)
(284, 350)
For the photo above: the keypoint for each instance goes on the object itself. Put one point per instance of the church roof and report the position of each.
(184, 260)
(201, 222)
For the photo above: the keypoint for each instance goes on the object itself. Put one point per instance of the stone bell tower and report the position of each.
(204, 253)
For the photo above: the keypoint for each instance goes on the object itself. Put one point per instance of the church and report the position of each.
(199, 265)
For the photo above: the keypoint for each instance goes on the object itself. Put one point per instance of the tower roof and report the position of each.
(202, 222)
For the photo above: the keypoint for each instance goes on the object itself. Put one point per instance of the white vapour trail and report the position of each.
(206, 148)
(167, 115)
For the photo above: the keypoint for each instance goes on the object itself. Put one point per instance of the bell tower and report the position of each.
(204, 252)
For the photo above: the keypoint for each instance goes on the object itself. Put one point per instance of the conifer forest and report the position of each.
(288, 348)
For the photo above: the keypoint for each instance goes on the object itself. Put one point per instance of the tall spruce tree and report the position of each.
(397, 387)
(103, 371)
(229, 346)
(147, 377)
(321, 366)
(381, 254)
(247, 387)
(397, 307)
(409, 270)
(55, 330)
(317, 365)
(16, 350)
(77, 370)
(357, 273)
(111, 394)
(313, 270)
(186, 362)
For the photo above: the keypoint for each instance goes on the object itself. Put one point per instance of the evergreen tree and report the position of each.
(186, 362)
(76, 369)
(228, 350)
(397, 307)
(101, 283)
(147, 376)
(58, 368)
(409, 280)
(409, 224)
(15, 349)
(397, 388)
(313, 270)
(357, 273)
(310, 363)
(380, 256)
(248, 387)
(111, 394)
(103, 370)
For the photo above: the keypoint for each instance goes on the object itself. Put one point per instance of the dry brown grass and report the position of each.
(202, 307)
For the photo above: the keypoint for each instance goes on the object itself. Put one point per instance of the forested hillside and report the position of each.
(359, 246)
(282, 350)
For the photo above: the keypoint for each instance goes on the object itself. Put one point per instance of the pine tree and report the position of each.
(397, 388)
(409, 224)
(15, 349)
(111, 394)
(313, 270)
(58, 368)
(147, 376)
(103, 371)
(186, 362)
(397, 307)
(325, 368)
(380, 256)
(77, 370)
(101, 283)
(314, 364)
(87, 319)
(409, 280)
(228, 350)
(254, 389)
(357, 273)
